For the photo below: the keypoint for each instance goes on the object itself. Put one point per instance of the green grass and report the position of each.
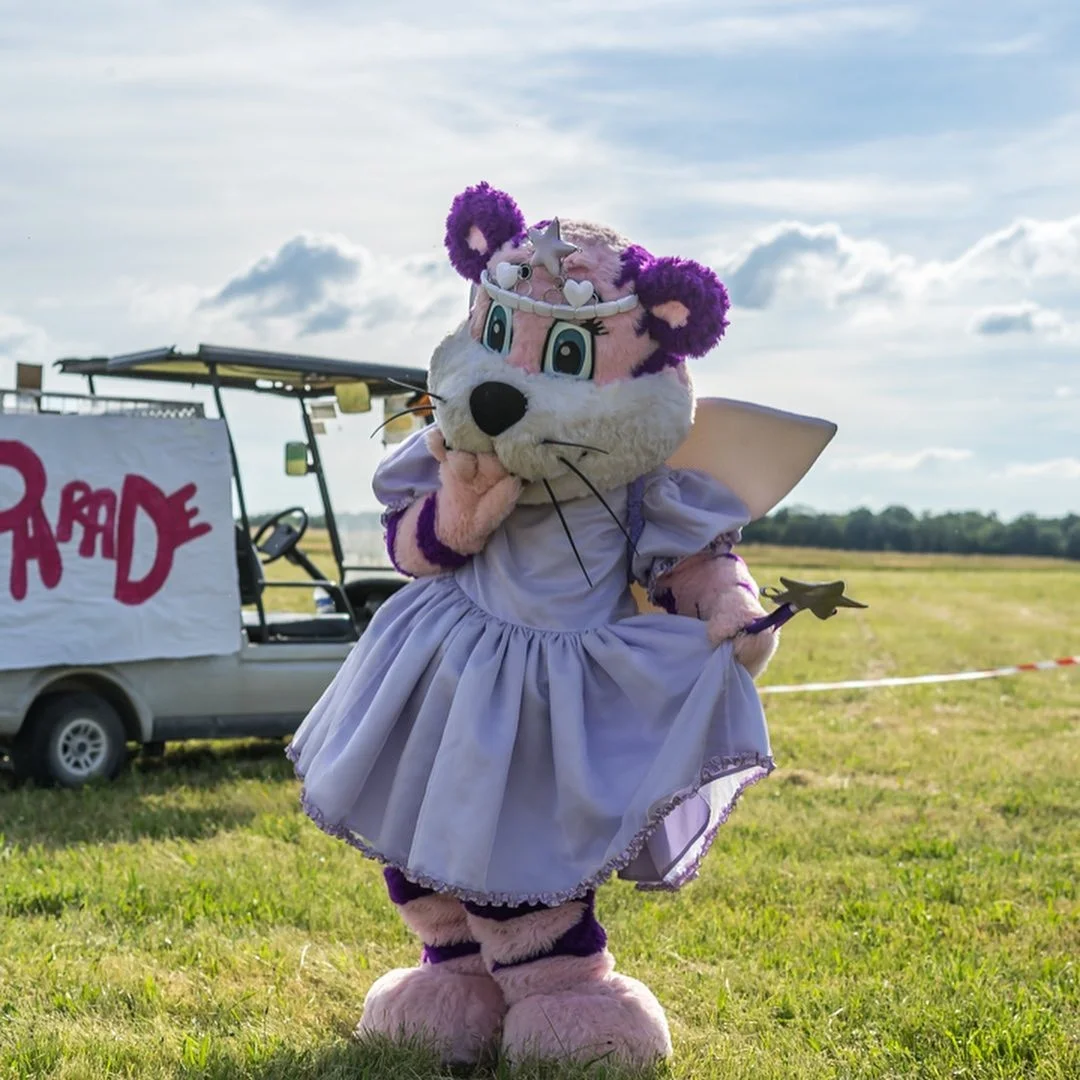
(900, 899)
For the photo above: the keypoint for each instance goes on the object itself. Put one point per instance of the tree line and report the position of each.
(898, 529)
(893, 529)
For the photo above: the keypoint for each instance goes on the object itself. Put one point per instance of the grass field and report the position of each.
(900, 898)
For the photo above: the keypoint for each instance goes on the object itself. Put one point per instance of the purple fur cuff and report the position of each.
(436, 954)
(585, 939)
(391, 520)
(401, 889)
(431, 547)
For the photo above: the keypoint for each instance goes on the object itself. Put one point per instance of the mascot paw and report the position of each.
(476, 495)
(754, 651)
(616, 1018)
(457, 1013)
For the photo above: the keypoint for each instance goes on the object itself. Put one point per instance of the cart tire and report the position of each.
(70, 740)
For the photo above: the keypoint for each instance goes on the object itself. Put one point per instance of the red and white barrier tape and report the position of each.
(922, 680)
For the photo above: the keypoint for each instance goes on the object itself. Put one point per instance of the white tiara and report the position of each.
(576, 292)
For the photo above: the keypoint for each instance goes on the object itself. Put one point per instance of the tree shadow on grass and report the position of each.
(193, 792)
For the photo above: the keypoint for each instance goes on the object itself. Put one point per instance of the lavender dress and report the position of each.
(509, 735)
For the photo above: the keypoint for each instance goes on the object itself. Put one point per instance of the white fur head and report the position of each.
(572, 353)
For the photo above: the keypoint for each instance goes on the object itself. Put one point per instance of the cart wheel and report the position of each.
(72, 739)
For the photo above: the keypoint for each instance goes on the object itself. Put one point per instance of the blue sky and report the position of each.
(891, 191)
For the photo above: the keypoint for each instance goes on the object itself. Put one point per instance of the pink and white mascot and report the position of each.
(513, 729)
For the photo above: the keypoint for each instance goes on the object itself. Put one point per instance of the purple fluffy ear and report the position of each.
(481, 220)
(685, 303)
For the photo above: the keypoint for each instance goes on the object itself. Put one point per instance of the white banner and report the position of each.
(116, 540)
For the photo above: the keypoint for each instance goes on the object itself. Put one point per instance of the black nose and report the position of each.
(496, 406)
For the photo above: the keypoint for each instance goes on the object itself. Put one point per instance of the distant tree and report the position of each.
(861, 532)
(897, 526)
(1072, 540)
(1022, 536)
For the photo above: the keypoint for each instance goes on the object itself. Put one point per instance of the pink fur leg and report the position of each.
(579, 1009)
(450, 1001)
(565, 1000)
(455, 1007)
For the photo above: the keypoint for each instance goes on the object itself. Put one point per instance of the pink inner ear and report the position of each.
(476, 240)
(675, 313)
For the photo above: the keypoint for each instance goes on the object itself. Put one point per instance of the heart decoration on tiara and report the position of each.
(507, 274)
(578, 292)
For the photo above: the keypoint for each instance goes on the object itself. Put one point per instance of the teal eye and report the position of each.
(497, 329)
(569, 351)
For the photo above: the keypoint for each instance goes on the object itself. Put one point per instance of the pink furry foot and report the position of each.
(614, 1018)
(459, 1013)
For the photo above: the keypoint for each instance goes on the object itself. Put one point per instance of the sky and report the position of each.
(891, 193)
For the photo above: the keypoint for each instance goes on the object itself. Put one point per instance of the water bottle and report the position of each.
(324, 602)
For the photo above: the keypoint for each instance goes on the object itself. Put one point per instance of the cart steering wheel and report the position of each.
(283, 536)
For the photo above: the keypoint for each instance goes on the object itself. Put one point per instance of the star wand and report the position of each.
(823, 598)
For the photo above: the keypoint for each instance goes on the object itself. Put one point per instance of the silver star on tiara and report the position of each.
(549, 248)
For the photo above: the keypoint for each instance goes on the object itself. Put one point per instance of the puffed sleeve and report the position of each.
(684, 512)
(407, 473)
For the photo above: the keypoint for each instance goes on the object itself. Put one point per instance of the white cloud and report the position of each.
(14, 334)
(832, 196)
(312, 285)
(795, 262)
(470, 30)
(294, 280)
(618, 25)
(1065, 468)
(1025, 318)
(21, 340)
(1027, 250)
(1063, 392)
(817, 261)
(1014, 46)
(932, 457)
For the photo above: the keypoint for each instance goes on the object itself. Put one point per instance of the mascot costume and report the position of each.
(517, 724)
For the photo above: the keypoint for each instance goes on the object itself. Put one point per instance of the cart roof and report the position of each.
(289, 374)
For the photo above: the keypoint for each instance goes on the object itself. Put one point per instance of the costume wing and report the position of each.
(758, 453)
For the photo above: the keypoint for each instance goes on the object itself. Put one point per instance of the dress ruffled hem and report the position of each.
(693, 868)
(715, 768)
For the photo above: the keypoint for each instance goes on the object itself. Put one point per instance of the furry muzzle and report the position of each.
(537, 423)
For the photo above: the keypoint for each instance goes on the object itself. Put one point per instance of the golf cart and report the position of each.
(132, 600)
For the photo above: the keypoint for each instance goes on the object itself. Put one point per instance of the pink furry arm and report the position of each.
(716, 588)
(720, 590)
